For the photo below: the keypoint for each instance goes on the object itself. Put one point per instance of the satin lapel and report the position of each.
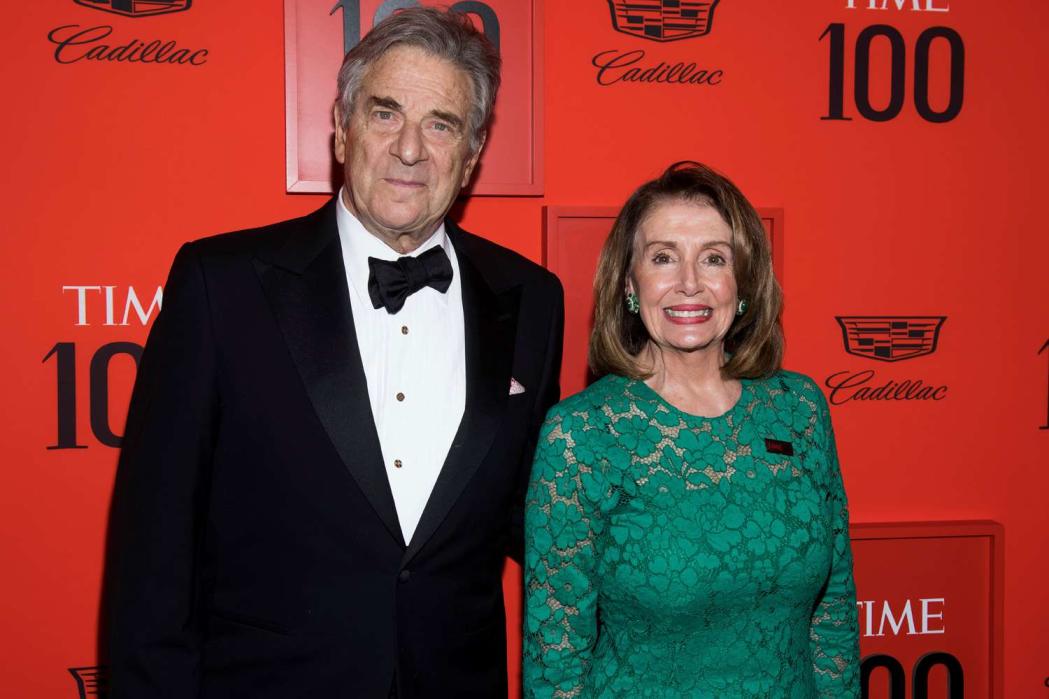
(490, 321)
(305, 283)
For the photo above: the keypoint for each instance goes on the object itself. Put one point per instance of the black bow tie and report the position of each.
(391, 283)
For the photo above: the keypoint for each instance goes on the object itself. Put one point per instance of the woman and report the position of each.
(686, 526)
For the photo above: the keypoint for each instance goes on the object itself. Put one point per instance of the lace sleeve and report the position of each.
(562, 523)
(834, 631)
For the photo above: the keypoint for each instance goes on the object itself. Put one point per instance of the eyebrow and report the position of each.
(386, 102)
(392, 104)
(453, 119)
(673, 244)
(660, 243)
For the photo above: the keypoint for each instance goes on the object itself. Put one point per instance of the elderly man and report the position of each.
(335, 416)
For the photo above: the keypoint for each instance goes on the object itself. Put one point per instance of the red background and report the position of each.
(110, 166)
(958, 563)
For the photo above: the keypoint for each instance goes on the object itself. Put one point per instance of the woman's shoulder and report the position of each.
(603, 392)
(797, 399)
(792, 383)
(795, 393)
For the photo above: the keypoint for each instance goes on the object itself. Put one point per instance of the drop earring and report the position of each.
(632, 303)
(741, 307)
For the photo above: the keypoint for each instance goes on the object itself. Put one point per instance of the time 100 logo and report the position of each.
(920, 674)
(920, 73)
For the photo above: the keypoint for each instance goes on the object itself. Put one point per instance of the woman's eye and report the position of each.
(716, 259)
(661, 258)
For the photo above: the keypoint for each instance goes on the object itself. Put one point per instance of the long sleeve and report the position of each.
(548, 393)
(562, 528)
(152, 586)
(834, 632)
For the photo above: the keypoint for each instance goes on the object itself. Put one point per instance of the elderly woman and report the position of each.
(687, 530)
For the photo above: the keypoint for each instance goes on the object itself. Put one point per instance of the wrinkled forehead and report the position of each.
(405, 72)
(676, 209)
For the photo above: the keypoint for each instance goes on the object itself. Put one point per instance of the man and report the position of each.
(335, 416)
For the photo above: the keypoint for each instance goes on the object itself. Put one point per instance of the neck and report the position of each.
(402, 241)
(691, 381)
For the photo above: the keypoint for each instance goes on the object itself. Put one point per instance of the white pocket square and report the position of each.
(515, 387)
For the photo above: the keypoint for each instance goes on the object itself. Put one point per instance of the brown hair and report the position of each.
(755, 340)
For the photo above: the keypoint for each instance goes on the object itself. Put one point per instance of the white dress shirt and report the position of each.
(415, 364)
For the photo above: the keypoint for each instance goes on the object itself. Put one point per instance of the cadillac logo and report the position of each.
(90, 681)
(662, 20)
(890, 338)
(137, 8)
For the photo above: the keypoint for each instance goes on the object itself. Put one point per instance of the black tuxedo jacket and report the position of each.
(254, 545)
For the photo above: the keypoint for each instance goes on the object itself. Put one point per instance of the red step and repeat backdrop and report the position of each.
(896, 149)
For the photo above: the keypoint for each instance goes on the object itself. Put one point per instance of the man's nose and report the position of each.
(408, 147)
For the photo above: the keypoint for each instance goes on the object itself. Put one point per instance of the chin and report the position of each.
(689, 349)
(399, 221)
(693, 344)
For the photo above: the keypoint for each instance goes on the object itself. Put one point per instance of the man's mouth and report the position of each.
(402, 183)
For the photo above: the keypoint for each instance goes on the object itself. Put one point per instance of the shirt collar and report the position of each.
(358, 245)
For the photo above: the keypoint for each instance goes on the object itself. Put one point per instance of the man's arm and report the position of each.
(549, 392)
(156, 519)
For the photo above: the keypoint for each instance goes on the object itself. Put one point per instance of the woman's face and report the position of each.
(683, 276)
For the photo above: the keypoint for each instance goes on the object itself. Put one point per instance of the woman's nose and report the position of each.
(690, 279)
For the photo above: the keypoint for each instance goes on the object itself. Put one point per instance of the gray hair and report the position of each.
(445, 34)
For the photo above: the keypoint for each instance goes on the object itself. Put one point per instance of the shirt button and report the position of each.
(404, 329)
(397, 463)
(404, 576)
(400, 396)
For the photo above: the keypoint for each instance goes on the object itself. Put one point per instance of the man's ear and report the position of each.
(472, 162)
(340, 134)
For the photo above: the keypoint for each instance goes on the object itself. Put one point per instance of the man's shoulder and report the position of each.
(256, 241)
(499, 265)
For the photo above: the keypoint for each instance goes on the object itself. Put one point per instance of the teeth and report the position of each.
(689, 314)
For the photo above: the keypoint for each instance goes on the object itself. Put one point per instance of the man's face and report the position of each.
(405, 148)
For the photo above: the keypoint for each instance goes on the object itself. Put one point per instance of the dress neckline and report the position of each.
(746, 395)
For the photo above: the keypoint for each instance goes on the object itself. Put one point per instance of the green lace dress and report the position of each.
(669, 555)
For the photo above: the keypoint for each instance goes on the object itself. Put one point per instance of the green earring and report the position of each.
(632, 303)
(741, 308)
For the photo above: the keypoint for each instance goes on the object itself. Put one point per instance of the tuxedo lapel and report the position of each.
(490, 321)
(305, 283)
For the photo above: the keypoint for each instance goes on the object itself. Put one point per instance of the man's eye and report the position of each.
(384, 115)
(443, 128)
